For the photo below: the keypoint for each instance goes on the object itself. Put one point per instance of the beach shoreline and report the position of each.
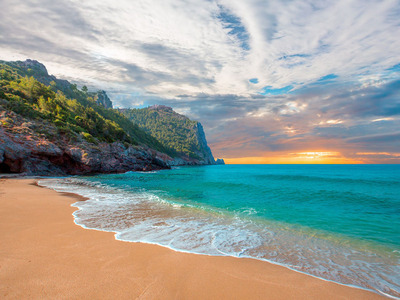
(45, 255)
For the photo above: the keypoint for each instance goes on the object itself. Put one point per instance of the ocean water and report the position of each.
(337, 222)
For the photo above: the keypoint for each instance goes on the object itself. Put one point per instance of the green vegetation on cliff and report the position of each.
(71, 110)
(173, 130)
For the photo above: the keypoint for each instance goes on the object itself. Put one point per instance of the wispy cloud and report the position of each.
(261, 75)
(205, 46)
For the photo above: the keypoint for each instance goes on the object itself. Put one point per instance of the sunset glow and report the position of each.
(297, 158)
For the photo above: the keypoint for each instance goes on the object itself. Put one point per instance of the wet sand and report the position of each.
(44, 254)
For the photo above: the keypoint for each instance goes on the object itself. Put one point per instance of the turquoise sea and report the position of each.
(337, 222)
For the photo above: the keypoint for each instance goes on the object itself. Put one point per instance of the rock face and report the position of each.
(34, 64)
(159, 107)
(220, 161)
(184, 137)
(205, 151)
(34, 140)
(102, 99)
(24, 150)
(39, 71)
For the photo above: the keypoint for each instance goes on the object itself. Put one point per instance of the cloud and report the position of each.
(303, 122)
(315, 119)
(261, 75)
(392, 138)
(211, 46)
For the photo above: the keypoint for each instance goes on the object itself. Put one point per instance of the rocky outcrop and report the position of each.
(36, 69)
(183, 138)
(102, 99)
(205, 151)
(39, 71)
(159, 107)
(45, 137)
(220, 161)
(35, 65)
(25, 147)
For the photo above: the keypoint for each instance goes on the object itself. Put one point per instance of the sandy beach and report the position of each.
(44, 254)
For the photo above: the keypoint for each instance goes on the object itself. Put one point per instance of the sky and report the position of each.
(278, 81)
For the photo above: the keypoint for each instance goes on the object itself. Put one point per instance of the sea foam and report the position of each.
(139, 215)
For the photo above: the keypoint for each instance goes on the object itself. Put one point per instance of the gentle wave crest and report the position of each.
(142, 216)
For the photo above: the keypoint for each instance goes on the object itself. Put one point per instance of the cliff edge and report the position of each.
(50, 127)
(184, 138)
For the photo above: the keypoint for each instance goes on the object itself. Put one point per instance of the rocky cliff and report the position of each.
(220, 161)
(37, 70)
(50, 127)
(24, 148)
(184, 137)
(203, 150)
(102, 99)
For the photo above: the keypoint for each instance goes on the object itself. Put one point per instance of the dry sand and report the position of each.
(43, 254)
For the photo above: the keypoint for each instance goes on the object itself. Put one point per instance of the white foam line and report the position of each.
(117, 234)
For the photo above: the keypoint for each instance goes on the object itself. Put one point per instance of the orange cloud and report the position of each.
(309, 157)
